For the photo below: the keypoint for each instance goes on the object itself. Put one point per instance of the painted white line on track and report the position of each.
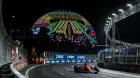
(45, 73)
(54, 68)
(104, 76)
(119, 73)
(27, 72)
(72, 66)
(110, 75)
(62, 73)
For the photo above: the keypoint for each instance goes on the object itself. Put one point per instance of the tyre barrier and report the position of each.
(5, 71)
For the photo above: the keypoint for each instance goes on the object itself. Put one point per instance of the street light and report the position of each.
(107, 21)
(18, 33)
(129, 5)
(114, 14)
(11, 32)
(105, 30)
(106, 24)
(109, 18)
(121, 10)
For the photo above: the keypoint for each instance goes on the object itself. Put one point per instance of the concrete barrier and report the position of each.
(132, 68)
(15, 67)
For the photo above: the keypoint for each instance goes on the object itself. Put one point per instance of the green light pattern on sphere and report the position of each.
(64, 25)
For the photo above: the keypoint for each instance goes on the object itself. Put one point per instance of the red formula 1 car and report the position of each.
(86, 68)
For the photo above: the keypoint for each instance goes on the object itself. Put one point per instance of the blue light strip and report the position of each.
(78, 57)
(67, 56)
(49, 29)
(56, 56)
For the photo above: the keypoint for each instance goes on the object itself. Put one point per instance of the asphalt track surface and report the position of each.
(66, 71)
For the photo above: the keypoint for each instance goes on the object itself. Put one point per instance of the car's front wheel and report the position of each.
(75, 69)
(80, 69)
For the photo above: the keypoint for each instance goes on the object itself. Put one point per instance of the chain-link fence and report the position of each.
(121, 56)
(9, 50)
(122, 59)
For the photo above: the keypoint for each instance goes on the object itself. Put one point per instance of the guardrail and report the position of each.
(15, 67)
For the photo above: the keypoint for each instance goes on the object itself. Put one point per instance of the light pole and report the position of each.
(24, 34)
(11, 33)
(129, 5)
(18, 33)
(121, 10)
(19, 37)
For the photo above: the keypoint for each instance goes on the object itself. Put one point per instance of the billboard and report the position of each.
(48, 61)
(59, 56)
(68, 61)
(62, 61)
(83, 60)
(73, 61)
(57, 61)
(70, 56)
(52, 61)
(81, 57)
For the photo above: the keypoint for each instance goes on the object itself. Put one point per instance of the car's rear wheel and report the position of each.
(96, 69)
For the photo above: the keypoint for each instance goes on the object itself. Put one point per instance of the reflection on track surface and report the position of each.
(66, 71)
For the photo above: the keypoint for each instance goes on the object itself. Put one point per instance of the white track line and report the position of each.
(104, 76)
(62, 73)
(54, 68)
(72, 66)
(119, 73)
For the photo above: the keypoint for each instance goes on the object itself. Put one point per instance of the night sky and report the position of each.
(22, 14)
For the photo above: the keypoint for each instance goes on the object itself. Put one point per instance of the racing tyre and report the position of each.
(80, 69)
(75, 68)
(96, 69)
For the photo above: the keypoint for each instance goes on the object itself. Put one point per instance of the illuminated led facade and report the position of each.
(66, 25)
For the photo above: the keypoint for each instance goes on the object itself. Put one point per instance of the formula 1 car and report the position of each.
(86, 68)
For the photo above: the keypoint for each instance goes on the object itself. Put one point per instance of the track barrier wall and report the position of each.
(121, 59)
(15, 67)
(133, 68)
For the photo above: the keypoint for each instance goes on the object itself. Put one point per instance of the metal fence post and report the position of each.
(0, 50)
(137, 55)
